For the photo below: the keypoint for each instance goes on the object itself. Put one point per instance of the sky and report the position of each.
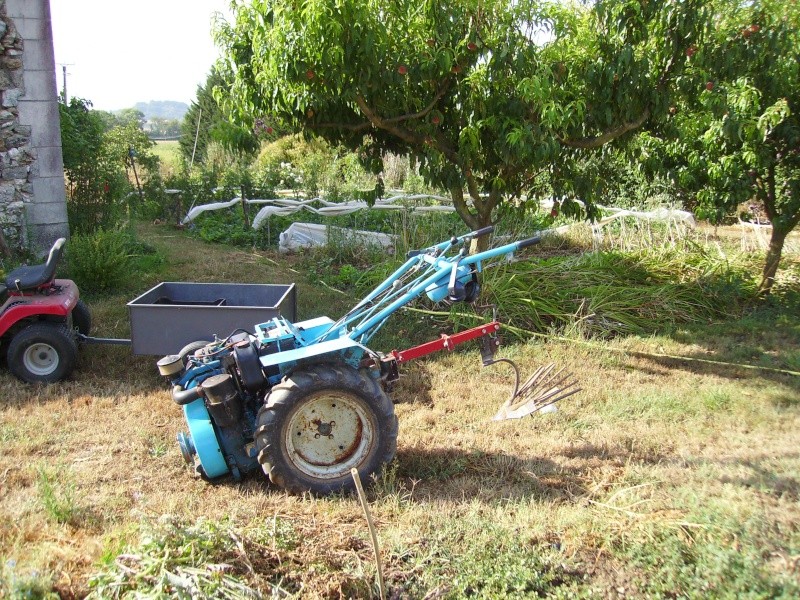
(121, 52)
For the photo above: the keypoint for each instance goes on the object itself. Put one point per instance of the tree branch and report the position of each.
(602, 139)
(418, 115)
(404, 134)
(354, 127)
(357, 127)
(457, 193)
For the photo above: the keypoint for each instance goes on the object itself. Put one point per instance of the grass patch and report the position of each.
(16, 585)
(110, 260)
(169, 155)
(492, 562)
(58, 498)
(608, 293)
(176, 559)
(710, 555)
(657, 473)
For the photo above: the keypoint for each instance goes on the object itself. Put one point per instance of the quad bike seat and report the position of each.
(32, 277)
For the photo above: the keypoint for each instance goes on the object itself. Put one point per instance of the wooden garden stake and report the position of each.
(363, 498)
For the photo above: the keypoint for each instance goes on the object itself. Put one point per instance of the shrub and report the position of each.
(100, 261)
(311, 167)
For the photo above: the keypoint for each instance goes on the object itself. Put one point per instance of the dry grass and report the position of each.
(660, 478)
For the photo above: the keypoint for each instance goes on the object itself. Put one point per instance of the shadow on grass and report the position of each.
(451, 473)
(763, 343)
(761, 474)
(724, 367)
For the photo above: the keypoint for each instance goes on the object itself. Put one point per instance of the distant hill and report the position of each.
(165, 109)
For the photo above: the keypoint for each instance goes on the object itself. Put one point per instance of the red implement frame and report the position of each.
(446, 342)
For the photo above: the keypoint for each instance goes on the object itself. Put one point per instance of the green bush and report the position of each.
(311, 167)
(100, 261)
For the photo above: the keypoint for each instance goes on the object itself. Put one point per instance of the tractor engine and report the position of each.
(220, 386)
(224, 389)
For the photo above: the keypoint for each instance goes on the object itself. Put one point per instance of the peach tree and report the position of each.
(500, 99)
(734, 132)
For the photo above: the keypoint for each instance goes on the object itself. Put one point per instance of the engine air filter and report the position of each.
(170, 365)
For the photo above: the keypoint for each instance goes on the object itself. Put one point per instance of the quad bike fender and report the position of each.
(56, 304)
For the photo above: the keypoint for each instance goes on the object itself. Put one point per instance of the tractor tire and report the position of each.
(42, 353)
(319, 423)
(82, 318)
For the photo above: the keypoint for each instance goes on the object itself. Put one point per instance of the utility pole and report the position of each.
(64, 88)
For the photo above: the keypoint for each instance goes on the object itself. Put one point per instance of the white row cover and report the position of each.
(303, 235)
(287, 206)
(306, 235)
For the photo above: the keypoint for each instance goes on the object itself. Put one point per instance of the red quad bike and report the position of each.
(38, 319)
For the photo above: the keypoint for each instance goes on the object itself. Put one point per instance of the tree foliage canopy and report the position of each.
(734, 131)
(500, 98)
(205, 121)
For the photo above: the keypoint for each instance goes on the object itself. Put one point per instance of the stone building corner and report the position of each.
(33, 210)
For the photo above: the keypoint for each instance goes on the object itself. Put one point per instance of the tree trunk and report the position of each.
(482, 217)
(773, 259)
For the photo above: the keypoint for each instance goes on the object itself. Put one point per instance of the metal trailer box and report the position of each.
(172, 314)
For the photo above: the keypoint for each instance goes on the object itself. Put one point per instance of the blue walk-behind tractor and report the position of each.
(306, 402)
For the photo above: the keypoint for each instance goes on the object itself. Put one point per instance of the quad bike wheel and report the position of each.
(319, 423)
(42, 353)
(82, 318)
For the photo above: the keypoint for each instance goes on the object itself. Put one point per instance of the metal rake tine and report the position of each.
(567, 395)
(547, 384)
(549, 377)
(541, 373)
(554, 391)
(532, 406)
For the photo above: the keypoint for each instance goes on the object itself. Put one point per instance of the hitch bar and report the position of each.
(87, 339)
(447, 342)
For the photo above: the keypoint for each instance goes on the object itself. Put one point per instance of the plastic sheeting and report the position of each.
(303, 235)
(287, 206)
(306, 235)
(667, 215)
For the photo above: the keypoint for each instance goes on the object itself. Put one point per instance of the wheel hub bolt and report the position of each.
(325, 429)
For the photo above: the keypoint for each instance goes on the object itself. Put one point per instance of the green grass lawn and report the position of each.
(663, 478)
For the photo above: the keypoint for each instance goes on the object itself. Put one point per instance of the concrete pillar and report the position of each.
(46, 212)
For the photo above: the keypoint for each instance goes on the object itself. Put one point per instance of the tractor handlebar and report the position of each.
(529, 242)
(453, 241)
(481, 232)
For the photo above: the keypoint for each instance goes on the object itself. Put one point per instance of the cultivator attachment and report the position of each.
(544, 388)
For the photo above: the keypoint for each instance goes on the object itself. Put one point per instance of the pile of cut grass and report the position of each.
(609, 293)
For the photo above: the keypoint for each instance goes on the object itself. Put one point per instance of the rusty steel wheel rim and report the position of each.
(329, 433)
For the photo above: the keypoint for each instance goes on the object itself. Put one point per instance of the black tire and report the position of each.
(190, 348)
(42, 353)
(320, 462)
(82, 318)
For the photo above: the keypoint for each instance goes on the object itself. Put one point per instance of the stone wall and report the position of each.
(32, 194)
(16, 154)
